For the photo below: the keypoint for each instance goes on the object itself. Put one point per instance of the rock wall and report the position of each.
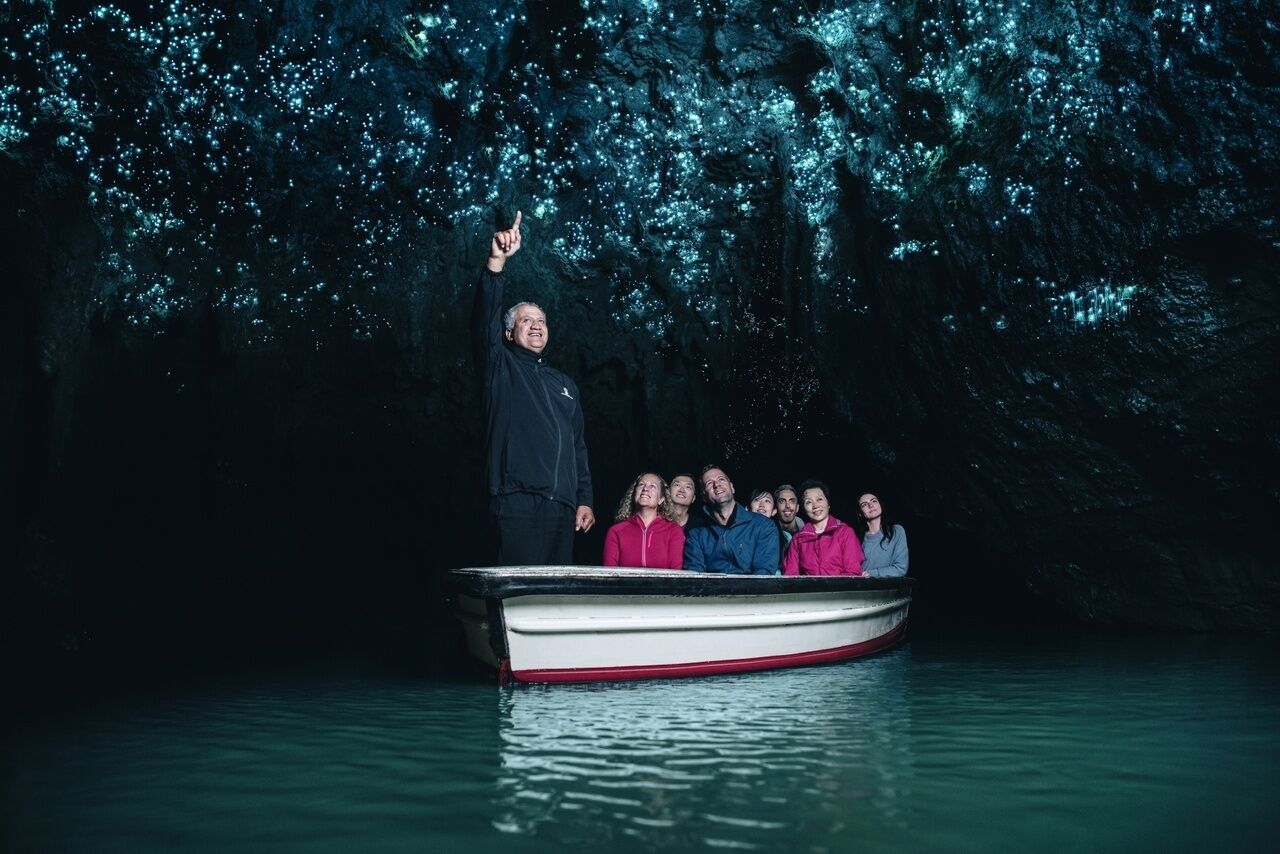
(1014, 264)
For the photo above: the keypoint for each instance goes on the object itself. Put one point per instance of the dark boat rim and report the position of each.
(508, 582)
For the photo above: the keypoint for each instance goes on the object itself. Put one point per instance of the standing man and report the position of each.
(539, 484)
(733, 539)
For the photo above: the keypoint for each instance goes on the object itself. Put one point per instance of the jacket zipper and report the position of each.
(555, 480)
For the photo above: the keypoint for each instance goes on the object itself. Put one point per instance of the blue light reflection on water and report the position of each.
(725, 762)
(995, 743)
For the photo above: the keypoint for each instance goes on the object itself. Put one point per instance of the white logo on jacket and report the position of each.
(566, 393)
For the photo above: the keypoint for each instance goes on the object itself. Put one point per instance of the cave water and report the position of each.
(1010, 265)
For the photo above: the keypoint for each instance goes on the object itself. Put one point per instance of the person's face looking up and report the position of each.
(816, 507)
(648, 491)
(716, 488)
(763, 504)
(530, 330)
(869, 507)
(788, 506)
(682, 491)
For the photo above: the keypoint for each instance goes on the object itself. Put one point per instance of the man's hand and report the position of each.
(503, 246)
(585, 518)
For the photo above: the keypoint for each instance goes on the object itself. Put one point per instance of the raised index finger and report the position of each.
(516, 224)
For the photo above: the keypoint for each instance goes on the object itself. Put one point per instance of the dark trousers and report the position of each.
(532, 530)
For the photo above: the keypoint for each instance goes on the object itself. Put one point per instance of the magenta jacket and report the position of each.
(836, 551)
(630, 543)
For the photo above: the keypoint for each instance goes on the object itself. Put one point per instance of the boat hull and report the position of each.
(571, 624)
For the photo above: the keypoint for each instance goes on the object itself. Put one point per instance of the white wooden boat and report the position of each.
(580, 623)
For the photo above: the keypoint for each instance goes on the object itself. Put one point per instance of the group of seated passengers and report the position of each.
(657, 526)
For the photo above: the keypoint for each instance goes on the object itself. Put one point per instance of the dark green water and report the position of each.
(1003, 742)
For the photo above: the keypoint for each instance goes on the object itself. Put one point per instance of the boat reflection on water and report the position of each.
(738, 760)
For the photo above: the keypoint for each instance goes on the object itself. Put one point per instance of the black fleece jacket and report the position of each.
(533, 421)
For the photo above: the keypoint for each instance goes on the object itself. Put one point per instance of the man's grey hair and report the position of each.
(509, 319)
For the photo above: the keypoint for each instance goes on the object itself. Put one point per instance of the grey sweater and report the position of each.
(881, 559)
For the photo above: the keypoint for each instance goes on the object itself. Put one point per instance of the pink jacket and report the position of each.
(630, 543)
(836, 551)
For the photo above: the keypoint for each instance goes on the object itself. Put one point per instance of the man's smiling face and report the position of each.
(530, 330)
(717, 488)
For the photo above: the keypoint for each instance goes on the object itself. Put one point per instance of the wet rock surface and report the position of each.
(1014, 265)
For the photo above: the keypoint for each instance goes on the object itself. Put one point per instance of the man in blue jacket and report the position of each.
(731, 539)
(539, 483)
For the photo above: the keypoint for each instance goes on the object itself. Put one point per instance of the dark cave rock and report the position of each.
(1020, 268)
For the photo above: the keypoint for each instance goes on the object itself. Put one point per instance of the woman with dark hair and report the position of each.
(680, 497)
(762, 503)
(884, 544)
(644, 534)
(825, 545)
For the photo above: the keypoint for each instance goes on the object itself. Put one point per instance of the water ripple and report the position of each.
(1084, 743)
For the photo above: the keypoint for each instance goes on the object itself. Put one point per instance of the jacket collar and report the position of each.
(832, 524)
(521, 353)
(733, 517)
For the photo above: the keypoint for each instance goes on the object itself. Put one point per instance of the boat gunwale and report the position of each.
(510, 582)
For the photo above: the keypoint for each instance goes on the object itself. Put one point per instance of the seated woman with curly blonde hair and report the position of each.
(644, 534)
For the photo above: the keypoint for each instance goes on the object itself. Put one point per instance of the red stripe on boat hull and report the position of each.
(709, 668)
